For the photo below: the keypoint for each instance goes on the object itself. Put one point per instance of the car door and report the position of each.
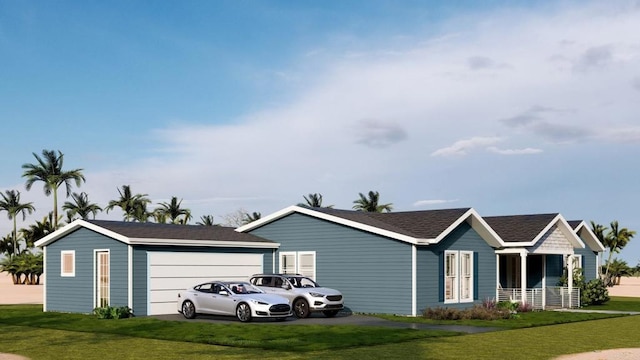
(225, 300)
(282, 287)
(202, 298)
(264, 283)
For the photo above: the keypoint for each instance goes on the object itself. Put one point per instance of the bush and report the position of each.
(594, 293)
(111, 312)
(487, 311)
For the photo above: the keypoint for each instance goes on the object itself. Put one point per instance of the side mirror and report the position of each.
(224, 292)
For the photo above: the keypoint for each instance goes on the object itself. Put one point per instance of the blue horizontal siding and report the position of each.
(75, 294)
(372, 272)
(430, 264)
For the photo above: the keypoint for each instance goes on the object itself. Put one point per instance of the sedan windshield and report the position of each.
(244, 288)
(302, 282)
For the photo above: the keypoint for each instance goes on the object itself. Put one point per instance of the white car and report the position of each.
(305, 295)
(238, 298)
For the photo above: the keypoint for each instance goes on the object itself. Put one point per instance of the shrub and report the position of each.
(111, 312)
(487, 311)
(594, 293)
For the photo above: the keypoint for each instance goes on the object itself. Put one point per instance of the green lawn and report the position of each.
(620, 303)
(25, 330)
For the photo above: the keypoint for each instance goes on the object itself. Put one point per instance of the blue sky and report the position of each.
(507, 107)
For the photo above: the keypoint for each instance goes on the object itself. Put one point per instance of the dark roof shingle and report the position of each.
(519, 228)
(176, 232)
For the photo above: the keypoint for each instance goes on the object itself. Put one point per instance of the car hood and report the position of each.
(267, 298)
(322, 290)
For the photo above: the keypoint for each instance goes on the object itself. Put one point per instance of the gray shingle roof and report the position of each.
(177, 232)
(519, 228)
(425, 224)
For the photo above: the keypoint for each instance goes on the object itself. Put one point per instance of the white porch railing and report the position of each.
(541, 298)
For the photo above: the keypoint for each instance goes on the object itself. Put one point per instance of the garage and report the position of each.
(171, 272)
(97, 263)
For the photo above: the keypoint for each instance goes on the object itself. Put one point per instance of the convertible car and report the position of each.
(241, 299)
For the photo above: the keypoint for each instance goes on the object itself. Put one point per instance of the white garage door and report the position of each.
(172, 272)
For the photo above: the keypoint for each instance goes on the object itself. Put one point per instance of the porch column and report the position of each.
(497, 277)
(523, 276)
(570, 277)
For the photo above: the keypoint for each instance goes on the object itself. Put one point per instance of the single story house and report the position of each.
(397, 263)
(404, 262)
(94, 263)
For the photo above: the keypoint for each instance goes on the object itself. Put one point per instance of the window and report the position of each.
(68, 263)
(298, 262)
(458, 276)
(577, 261)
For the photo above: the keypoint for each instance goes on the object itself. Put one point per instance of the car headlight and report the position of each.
(315, 294)
(259, 302)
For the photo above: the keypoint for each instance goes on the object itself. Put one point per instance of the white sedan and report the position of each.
(241, 299)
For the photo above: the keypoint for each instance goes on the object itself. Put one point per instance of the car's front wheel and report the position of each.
(188, 309)
(243, 312)
(301, 308)
(330, 313)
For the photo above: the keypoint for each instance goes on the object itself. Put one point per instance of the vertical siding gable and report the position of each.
(373, 272)
(75, 294)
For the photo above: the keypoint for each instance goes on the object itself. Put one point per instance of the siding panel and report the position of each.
(75, 294)
(372, 272)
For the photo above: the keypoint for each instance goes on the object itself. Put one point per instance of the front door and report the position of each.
(103, 279)
(513, 271)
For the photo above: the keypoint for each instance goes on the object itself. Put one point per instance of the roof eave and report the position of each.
(205, 243)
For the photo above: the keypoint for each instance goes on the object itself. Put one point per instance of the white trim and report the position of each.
(456, 277)
(478, 224)
(96, 272)
(62, 263)
(130, 276)
(144, 241)
(206, 243)
(498, 276)
(414, 281)
(299, 255)
(544, 280)
(148, 283)
(460, 275)
(273, 260)
(295, 261)
(44, 290)
(511, 251)
(591, 238)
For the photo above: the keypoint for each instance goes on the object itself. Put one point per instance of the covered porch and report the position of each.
(534, 278)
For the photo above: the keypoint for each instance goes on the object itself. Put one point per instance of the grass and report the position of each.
(619, 303)
(260, 336)
(27, 331)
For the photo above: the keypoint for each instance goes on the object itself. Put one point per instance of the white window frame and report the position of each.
(71, 273)
(455, 286)
(464, 278)
(576, 261)
(297, 256)
(459, 279)
(293, 254)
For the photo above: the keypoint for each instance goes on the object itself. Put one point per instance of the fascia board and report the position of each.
(76, 225)
(591, 237)
(205, 243)
(335, 219)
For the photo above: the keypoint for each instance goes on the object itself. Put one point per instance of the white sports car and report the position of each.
(239, 298)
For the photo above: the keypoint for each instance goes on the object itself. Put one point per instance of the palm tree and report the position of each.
(371, 204)
(132, 206)
(615, 240)
(173, 212)
(11, 204)
(313, 200)
(38, 230)
(206, 220)
(49, 170)
(251, 217)
(81, 206)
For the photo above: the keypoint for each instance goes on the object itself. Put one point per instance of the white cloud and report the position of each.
(461, 147)
(422, 203)
(525, 151)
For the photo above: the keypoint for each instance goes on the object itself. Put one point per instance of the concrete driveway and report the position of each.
(343, 318)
